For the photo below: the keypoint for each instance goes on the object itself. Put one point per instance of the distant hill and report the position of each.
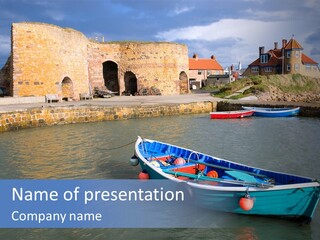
(289, 87)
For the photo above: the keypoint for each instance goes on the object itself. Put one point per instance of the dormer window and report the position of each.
(264, 58)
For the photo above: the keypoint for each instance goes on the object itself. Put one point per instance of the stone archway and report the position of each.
(67, 89)
(110, 76)
(130, 83)
(183, 82)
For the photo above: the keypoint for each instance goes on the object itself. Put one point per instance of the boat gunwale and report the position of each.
(232, 112)
(313, 182)
(272, 110)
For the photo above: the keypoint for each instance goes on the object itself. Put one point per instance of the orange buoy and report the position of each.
(246, 203)
(143, 175)
(212, 174)
(179, 161)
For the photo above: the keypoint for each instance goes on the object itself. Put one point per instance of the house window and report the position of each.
(308, 67)
(288, 67)
(297, 54)
(268, 69)
(264, 58)
(296, 67)
(254, 69)
(200, 72)
(288, 54)
(209, 72)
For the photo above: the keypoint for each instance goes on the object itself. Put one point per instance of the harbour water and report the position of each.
(97, 151)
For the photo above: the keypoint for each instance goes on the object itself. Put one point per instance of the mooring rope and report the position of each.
(109, 149)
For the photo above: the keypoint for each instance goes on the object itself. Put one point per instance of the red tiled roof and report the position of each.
(293, 44)
(204, 64)
(255, 62)
(306, 60)
(273, 61)
(276, 52)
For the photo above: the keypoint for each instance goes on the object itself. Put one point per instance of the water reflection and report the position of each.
(53, 153)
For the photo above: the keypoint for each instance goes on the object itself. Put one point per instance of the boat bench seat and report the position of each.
(159, 157)
(242, 176)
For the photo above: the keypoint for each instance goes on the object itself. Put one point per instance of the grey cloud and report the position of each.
(315, 51)
(314, 38)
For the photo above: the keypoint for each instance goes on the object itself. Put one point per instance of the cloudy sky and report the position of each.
(232, 30)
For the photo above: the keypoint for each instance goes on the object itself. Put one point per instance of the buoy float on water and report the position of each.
(179, 161)
(134, 161)
(143, 175)
(246, 202)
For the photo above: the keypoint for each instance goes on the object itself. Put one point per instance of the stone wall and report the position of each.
(44, 55)
(49, 116)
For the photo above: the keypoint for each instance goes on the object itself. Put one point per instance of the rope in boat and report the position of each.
(109, 149)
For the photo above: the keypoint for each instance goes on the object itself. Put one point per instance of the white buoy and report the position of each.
(134, 161)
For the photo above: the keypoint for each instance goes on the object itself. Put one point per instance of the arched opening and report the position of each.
(130, 83)
(183, 82)
(110, 76)
(67, 89)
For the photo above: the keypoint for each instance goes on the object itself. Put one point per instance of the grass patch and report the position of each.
(289, 83)
(238, 96)
(297, 83)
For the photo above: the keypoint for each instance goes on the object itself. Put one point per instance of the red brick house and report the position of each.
(288, 59)
(201, 68)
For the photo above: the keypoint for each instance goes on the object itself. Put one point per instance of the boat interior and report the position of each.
(187, 164)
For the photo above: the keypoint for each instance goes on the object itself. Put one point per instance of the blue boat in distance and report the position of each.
(223, 185)
(273, 112)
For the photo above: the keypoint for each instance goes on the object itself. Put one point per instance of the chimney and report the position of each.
(213, 57)
(195, 56)
(275, 45)
(261, 50)
(284, 43)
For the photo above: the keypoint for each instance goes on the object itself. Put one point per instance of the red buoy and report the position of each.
(179, 161)
(143, 175)
(246, 203)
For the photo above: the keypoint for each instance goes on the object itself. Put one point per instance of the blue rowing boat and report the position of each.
(273, 112)
(222, 185)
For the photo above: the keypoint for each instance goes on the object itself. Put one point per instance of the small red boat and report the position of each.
(231, 114)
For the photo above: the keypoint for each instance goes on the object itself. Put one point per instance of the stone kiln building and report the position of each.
(47, 59)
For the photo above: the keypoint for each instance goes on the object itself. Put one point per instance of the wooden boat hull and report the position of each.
(273, 112)
(231, 114)
(297, 200)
